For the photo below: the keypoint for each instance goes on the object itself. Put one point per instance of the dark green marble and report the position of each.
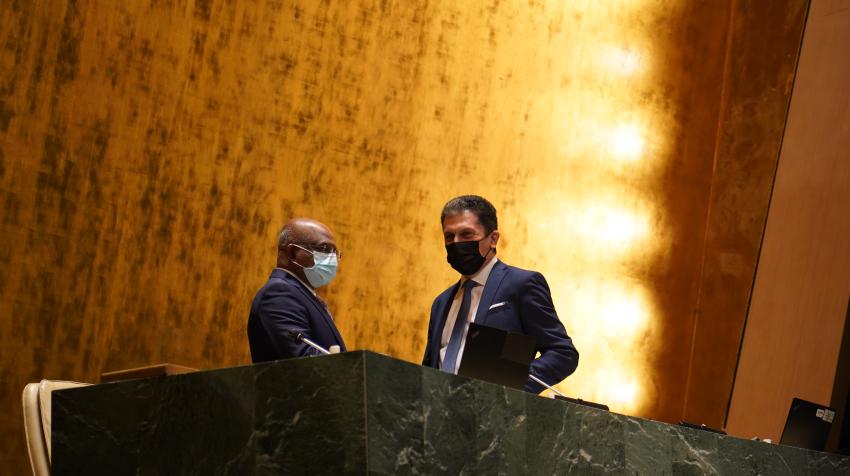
(362, 413)
(394, 421)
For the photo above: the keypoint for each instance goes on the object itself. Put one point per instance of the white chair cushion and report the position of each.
(35, 432)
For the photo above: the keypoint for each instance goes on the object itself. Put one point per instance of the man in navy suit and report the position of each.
(493, 294)
(307, 258)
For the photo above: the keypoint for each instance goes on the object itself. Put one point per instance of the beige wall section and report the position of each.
(795, 324)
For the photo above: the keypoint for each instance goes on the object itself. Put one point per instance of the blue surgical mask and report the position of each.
(323, 270)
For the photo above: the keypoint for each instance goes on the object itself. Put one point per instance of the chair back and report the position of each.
(37, 421)
(35, 432)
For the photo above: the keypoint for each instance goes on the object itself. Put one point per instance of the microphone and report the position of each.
(561, 396)
(553, 389)
(299, 337)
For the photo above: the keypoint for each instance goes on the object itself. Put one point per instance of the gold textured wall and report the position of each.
(150, 151)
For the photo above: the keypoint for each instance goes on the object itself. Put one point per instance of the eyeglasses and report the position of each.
(321, 249)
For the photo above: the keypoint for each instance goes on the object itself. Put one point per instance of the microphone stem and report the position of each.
(546, 385)
(314, 345)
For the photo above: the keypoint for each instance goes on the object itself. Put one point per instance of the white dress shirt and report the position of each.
(307, 286)
(475, 297)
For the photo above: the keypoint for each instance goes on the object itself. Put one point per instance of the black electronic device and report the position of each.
(497, 356)
(598, 406)
(700, 426)
(807, 425)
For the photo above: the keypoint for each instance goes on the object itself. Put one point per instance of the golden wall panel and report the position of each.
(150, 151)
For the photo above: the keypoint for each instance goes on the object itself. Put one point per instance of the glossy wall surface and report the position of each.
(150, 152)
(799, 308)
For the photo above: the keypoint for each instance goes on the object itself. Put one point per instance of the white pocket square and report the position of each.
(498, 304)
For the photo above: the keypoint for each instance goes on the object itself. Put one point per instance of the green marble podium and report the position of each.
(363, 413)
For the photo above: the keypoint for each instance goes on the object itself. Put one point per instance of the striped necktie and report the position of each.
(456, 339)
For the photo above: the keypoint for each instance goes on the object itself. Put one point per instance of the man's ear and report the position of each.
(494, 237)
(288, 252)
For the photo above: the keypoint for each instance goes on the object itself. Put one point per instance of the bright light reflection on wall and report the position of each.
(610, 139)
(626, 142)
(622, 61)
(611, 318)
(623, 316)
(603, 133)
(612, 227)
(599, 232)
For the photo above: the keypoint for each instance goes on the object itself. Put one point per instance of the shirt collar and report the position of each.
(482, 274)
(309, 288)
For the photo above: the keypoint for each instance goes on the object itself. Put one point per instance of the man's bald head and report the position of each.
(297, 238)
(300, 231)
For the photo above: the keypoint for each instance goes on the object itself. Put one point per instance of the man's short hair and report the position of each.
(284, 238)
(484, 210)
(289, 236)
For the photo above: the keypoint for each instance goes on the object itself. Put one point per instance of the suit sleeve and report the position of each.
(558, 356)
(282, 309)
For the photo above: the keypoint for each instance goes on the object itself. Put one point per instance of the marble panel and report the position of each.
(365, 413)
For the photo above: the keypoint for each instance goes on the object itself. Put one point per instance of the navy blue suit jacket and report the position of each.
(283, 304)
(527, 309)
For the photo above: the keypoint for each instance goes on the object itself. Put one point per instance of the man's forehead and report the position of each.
(320, 232)
(311, 230)
(465, 217)
(323, 235)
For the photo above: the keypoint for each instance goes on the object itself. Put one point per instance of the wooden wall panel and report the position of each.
(798, 311)
(150, 151)
(760, 65)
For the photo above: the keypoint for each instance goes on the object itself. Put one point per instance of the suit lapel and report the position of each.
(491, 288)
(325, 315)
(443, 306)
(314, 300)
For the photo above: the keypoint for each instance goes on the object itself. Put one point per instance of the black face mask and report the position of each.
(464, 257)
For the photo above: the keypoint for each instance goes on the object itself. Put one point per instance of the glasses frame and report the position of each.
(309, 249)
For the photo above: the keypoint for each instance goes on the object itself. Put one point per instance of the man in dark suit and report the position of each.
(307, 258)
(493, 294)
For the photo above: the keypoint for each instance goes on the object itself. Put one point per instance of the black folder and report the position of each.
(497, 356)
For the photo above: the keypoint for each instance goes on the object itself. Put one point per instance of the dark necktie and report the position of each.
(450, 359)
(325, 306)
